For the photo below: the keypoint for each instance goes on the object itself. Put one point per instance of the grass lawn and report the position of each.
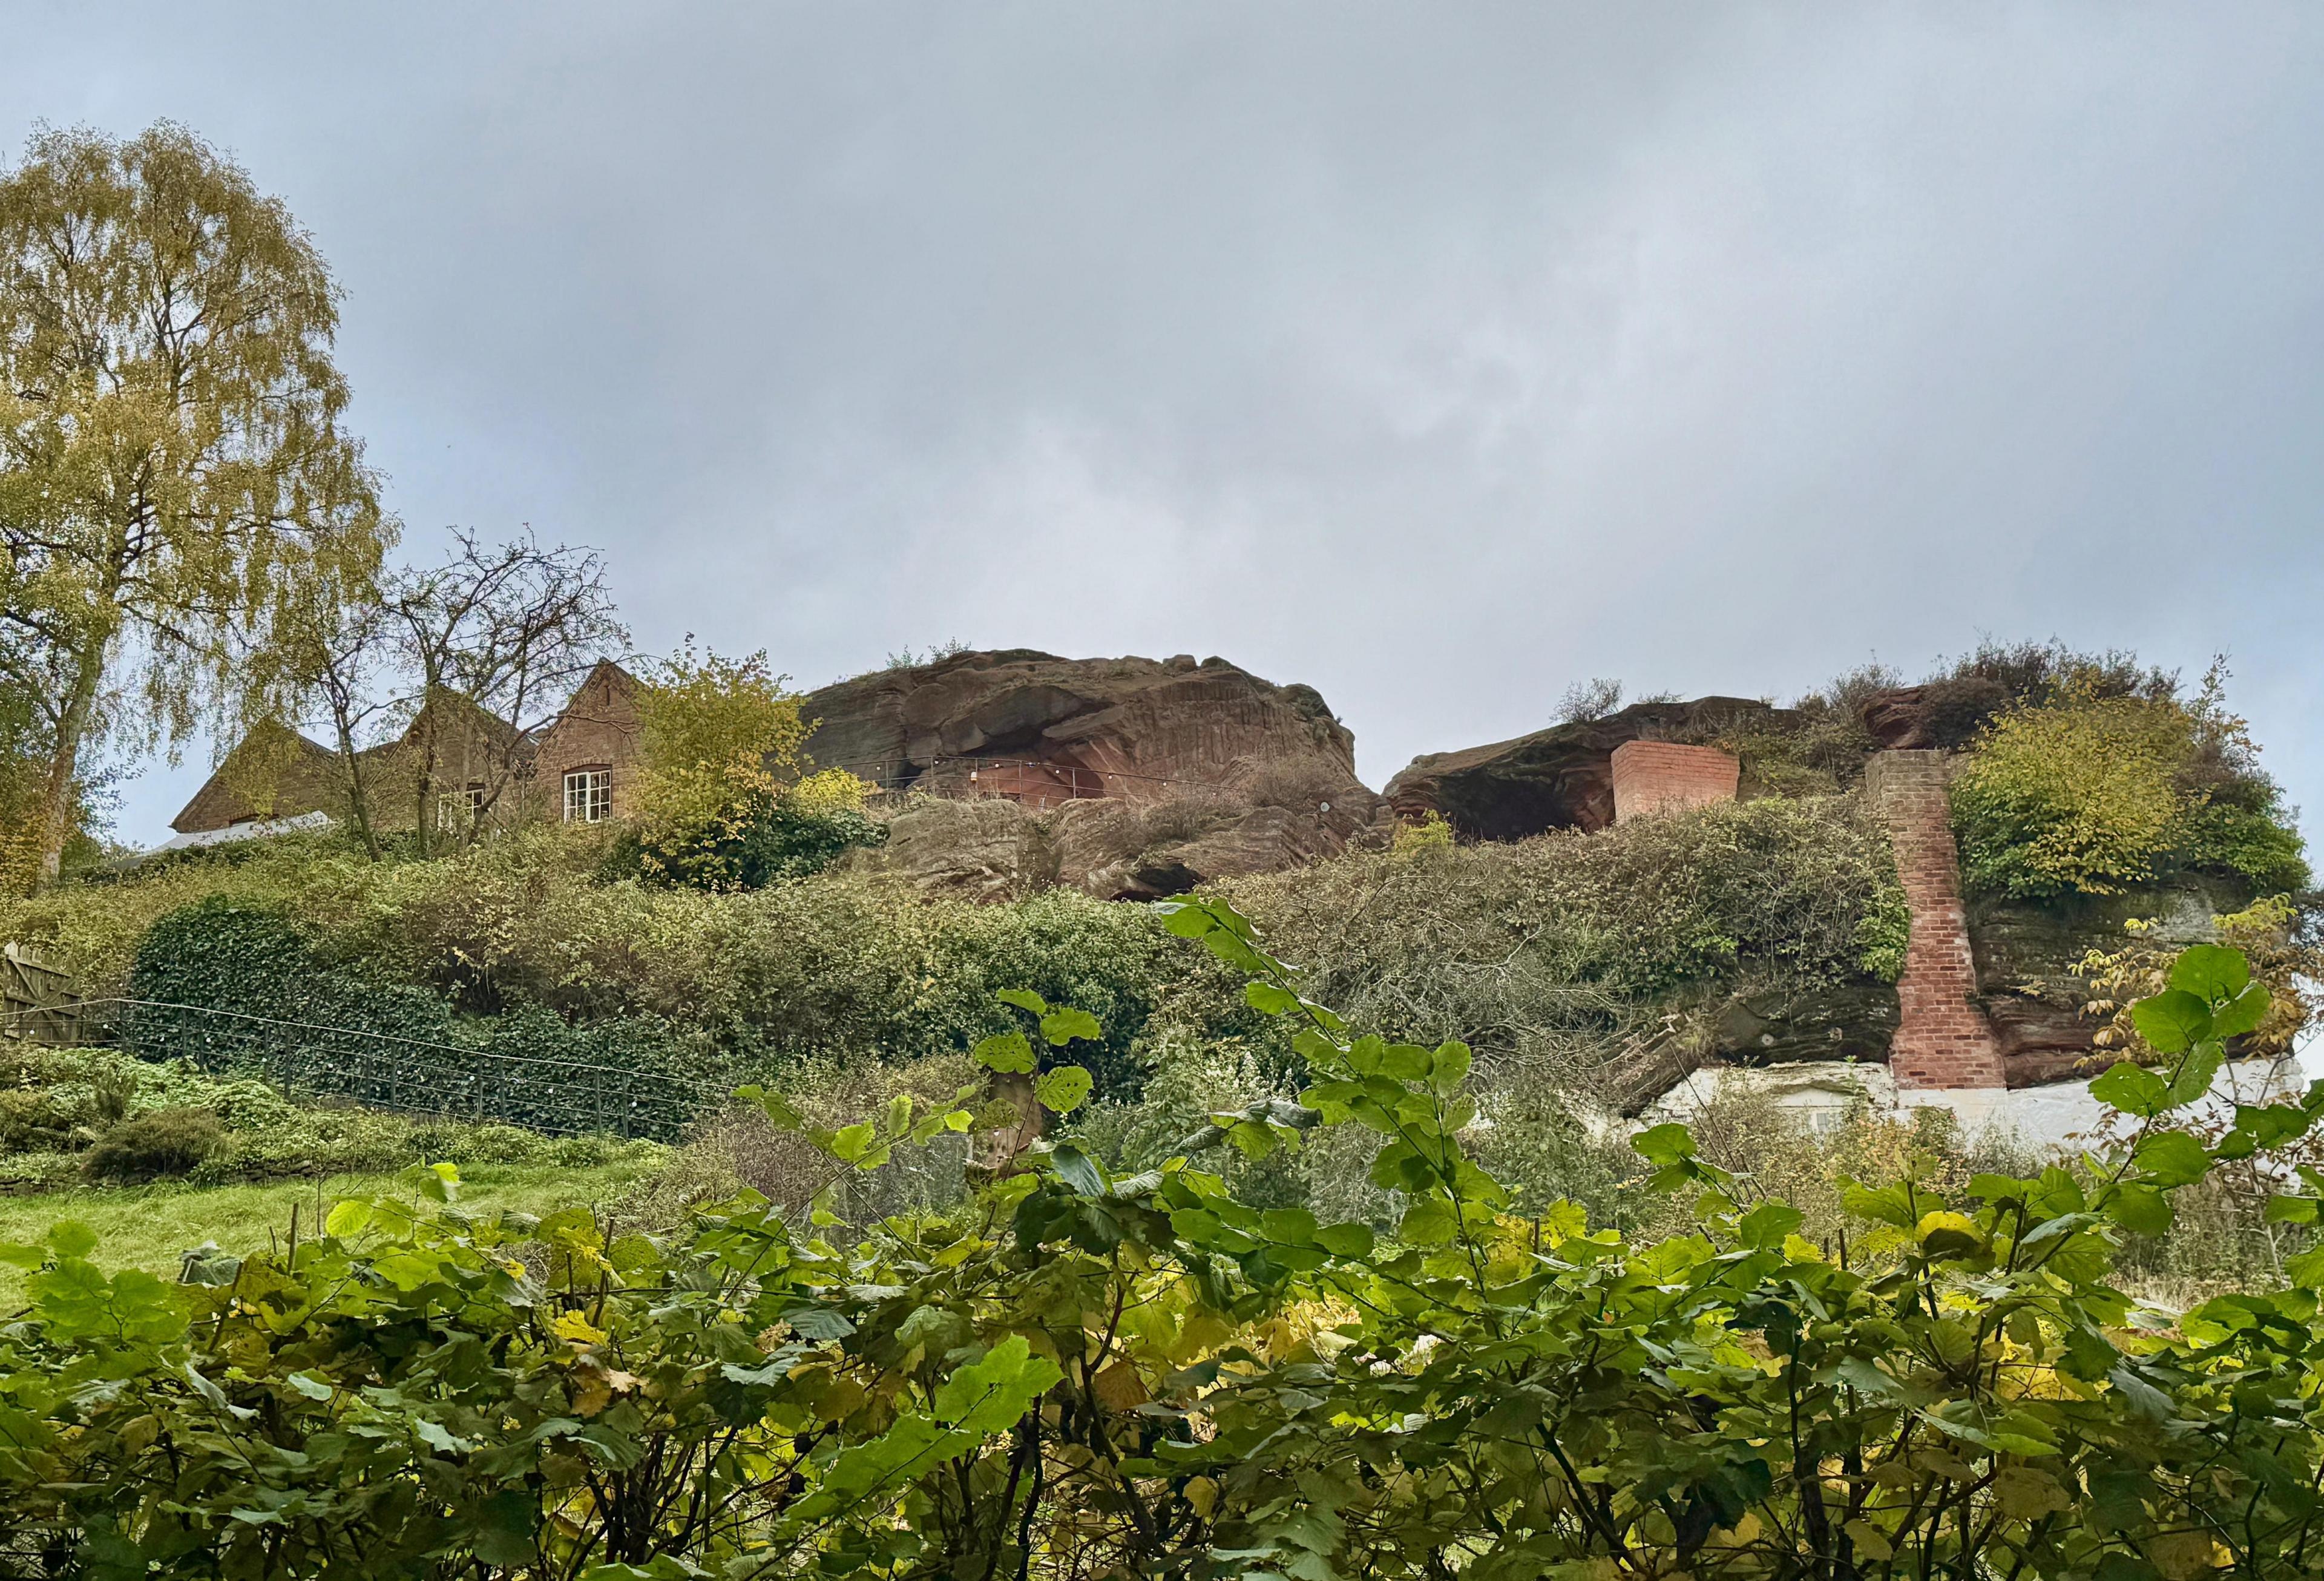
(148, 1226)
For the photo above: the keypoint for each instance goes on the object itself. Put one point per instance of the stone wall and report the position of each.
(1943, 1038)
(1662, 776)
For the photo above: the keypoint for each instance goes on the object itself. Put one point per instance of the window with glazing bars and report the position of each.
(588, 795)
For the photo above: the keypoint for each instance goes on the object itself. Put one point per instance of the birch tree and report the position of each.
(175, 471)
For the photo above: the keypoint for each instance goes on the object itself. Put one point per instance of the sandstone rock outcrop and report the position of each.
(1561, 778)
(1942, 714)
(1136, 728)
(2026, 953)
(1127, 778)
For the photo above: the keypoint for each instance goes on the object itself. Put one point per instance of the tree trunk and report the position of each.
(358, 793)
(423, 794)
(64, 766)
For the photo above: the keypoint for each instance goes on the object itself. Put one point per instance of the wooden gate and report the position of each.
(37, 1001)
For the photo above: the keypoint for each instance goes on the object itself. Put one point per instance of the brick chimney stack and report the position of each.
(1943, 1038)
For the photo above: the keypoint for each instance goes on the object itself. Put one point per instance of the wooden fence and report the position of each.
(37, 1001)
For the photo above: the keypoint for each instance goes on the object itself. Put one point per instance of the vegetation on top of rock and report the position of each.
(2092, 788)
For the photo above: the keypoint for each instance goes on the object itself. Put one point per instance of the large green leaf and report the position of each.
(1010, 1053)
(989, 1396)
(1062, 1090)
(2242, 1014)
(1061, 1027)
(2193, 1078)
(1428, 1222)
(2210, 972)
(1664, 1144)
(2132, 1088)
(2172, 1021)
(2172, 1157)
(1449, 1067)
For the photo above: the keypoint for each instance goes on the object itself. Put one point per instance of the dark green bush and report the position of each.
(2243, 828)
(2095, 794)
(162, 1145)
(232, 986)
(781, 843)
(769, 843)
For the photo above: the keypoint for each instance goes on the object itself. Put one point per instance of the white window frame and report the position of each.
(588, 795)
(457, 810)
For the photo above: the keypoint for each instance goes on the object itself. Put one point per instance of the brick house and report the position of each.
(585, 762)
(578, 767)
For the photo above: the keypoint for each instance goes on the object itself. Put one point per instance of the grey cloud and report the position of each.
(1438, 356)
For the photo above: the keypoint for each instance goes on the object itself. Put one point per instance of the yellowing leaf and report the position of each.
(2182, 1556)
(1948, 1234)
(841, 1400)
(1203, 1495)
(1120, 1387)
(574, 1326)
(2025, 1493)
(1871, 1542)
(591, 1392)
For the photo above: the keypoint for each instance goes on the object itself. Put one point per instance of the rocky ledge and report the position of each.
(1127, 778)
(1561, 778)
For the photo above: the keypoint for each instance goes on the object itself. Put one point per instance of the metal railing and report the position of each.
(417, 1076)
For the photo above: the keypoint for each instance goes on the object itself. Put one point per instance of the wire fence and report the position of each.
(408, 1076)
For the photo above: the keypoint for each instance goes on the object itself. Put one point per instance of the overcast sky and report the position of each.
(1436, 356)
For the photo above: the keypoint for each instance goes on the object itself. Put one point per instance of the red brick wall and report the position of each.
(1661, 776)
(1943, 1038)
(599, 728)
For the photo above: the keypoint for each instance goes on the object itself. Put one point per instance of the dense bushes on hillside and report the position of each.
(2092, 791)
(1090, 1374)
(1567, 948)
(67, 1115)
(1553, 951)
(238, 986)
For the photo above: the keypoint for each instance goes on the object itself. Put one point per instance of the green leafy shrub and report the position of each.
(1578, 954)
(783, 842)
(2080, 797)
(2095, 794)
(2243, 827)
(1422, 837)
(1089, 1374)
(61, 1105)
(160, 1145)
(765, 839)
(94, 928)
(229, 985)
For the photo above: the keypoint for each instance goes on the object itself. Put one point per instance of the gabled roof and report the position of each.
(306, 777)
(218, 803)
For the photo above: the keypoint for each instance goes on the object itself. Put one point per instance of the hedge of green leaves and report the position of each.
(1081, 1375)
(237, 987)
